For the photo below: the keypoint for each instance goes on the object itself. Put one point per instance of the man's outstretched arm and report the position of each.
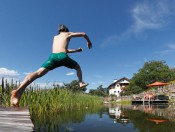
(81, 34)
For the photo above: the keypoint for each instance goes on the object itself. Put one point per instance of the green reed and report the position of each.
(59, 99)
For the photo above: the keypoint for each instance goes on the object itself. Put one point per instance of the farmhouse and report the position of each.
(118, 86)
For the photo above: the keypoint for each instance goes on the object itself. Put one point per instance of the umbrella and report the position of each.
(157, 121)
(157, 84)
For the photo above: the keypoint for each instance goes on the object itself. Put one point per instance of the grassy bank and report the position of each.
(55, 99)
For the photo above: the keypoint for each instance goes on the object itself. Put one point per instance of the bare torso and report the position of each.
(60, 43)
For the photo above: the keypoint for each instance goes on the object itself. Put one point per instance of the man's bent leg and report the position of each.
(79, 75)
(16, 94)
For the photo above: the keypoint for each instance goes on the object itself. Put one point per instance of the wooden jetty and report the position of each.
(149, 101)
(15, 120)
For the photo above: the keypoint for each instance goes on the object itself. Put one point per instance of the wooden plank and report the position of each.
(15, 120)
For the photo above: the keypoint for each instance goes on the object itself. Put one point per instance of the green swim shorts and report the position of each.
(59, 59)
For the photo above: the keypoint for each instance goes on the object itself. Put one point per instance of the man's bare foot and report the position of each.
(14, 100)
(82, 84)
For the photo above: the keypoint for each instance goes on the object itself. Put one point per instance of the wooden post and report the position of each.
(2, 91)
(2, 86)
(7, 87)
(12, 84)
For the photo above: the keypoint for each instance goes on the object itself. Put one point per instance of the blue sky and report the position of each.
(124, 33)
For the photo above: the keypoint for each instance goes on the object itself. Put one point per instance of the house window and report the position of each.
(114, 91)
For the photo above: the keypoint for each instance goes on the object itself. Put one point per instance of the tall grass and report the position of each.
(60, 99)
(54, 99)
(5, 91)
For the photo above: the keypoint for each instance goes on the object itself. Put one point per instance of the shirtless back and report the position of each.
(60, 43)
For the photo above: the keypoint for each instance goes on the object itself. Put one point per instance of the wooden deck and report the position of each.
(149, 102)
(15, 120)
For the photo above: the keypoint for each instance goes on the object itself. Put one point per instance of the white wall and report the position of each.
(115, 91)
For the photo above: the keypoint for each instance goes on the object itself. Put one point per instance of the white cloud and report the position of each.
(4, 72)
(148, 15)
(167, 51)
(170, 49)
(10, 76)
(70, 73)
(45, 84)
(172, 46)
(151, 14)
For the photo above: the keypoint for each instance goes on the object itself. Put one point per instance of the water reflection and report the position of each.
(118, 115)
(145, 118)
(121, 118)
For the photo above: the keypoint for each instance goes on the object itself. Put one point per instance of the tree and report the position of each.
(92, 91)
(73, 86)
(151, 72)
(133, 88)
(100, 91)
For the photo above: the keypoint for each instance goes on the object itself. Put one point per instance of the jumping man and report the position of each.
(57, 58)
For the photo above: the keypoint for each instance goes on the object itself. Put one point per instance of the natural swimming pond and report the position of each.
(120, 118)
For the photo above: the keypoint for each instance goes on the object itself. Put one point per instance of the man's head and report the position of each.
(63, 28)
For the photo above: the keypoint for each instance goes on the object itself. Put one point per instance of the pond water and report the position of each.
(118, 118)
